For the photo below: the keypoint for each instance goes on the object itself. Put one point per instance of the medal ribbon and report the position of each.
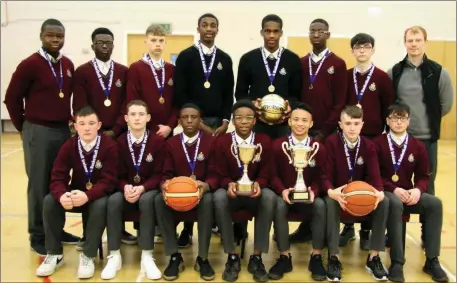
(312, 78)
(161, 84)
(271, 74)
(58, 79)
(206, 70)
(306, 142)
(192, 164)
(235, 149)
(356, 87)
(106, 89)
(348, 156)
(392, 152)
(132, 152)
(94, 157)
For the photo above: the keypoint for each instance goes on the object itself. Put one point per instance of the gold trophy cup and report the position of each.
(246, 154)
(301, 155)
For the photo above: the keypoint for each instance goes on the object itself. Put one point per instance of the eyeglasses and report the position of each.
(365, 47)
(319, 32)
(243, 118)
(396, 118)
(101, 42)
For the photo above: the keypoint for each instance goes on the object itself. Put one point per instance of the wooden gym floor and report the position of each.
(18, 263)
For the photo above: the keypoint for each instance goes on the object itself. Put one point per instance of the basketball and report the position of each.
(182, 194)
(273, 107)
(360, 197)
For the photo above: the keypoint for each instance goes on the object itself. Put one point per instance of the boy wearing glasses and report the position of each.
(404, 167)
(151, 79)
(369, 88)
(261, 201)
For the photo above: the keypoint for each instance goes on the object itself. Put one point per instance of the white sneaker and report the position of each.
(86, 267)
(113, 265)
(49, 265)
(149, 266)
(158, 240)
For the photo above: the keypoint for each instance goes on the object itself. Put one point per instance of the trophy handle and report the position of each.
(259, 145)
(231, 149)
(285, 148)
(315, 149)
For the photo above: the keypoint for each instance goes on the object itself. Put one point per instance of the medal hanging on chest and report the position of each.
(356, 86)
(106, 88)
(312, 77)
(137, 163)
(160, 83)
(396, 163)
(90, 170)
(207, 70)
(271, 73)
(59, 78)
(192, 164)
(351, 165)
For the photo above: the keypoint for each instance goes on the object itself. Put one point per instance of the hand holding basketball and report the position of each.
(379, 198)
(255, 190)
(337, 194)
(203, 187)
(231, 190)
(66, 202)
(164, 186)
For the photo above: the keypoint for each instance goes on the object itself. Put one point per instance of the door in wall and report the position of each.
(175, 44)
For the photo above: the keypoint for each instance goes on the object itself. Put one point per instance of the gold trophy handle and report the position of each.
(259, 145)
(285, 148)
(231, 149)
(315, 150)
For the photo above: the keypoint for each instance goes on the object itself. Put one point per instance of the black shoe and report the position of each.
(256, 268)
(185, 239)
(69, 239)
(364, 239)
(205, 269)
(334, 269)
(175, 266)
(376, 268)
(128, 238)
(347, 235)
(283, 265)
(232, 268)
(432, 267)
(396, 273)
(302, 234)
(37, 245)
(316, 266)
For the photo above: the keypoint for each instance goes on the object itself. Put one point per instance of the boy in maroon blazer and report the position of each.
(262, 200)
(404, 169)
(140, 171)
(44, 81)
(151, 80)
(283, 179)
(351, 157)
(324, 76)
(92, 160)
(370, 88)
(189, 154)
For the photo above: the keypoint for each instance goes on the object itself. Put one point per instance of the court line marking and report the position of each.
(11, 152)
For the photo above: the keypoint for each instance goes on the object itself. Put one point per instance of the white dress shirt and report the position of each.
(398, 139)
(318, 57)
(205, 49)
(49, 57)
(103, 66)
(297, 142)
(189, 140)
(270, 55)
(351, 145)
(240, 140)
(88, 146)
(135, 140)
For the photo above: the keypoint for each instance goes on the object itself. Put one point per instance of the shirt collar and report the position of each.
(351, 145)
(157, 64)
(189, 139)
(206, 50)
(319, 56)
(398, 139)
(240, 140)
(271, 55)
(49, 57)
(360, 71)
(88, 146)
(134, 139)
(296, 141)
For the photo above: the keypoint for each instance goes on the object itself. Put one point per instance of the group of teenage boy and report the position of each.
(125, 153)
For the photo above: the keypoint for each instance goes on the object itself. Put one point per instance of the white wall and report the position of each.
(239, 24)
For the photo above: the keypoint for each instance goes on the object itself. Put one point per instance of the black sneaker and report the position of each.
(396, 273)
(205, 269)
(184, 239)
(37, 245)
(69, 239)
(302, 234)
(347, 235)
(334, 269)
(364, 239)
(256, 268)
(283, 265)
(376, 268)
(128, 238)
(232, 268)
(316, 266)
(432, 267)
(175, 266)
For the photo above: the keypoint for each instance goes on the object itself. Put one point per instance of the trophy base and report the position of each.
(300, 197)
(244, 189)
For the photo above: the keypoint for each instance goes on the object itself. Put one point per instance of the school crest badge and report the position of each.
(118, 83)
(170, 82)
(360, 161)
(372, 87)
(98, 164)
(283, 71)
(312, 163)
(69, 73)
(411, 158)
(200, 156)
(331, 70)
(219, 66)
(149, 157)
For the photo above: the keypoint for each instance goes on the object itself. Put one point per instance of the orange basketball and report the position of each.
(182, 194)
(360, 197)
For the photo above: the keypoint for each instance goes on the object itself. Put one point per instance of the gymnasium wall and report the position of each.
(239, 24)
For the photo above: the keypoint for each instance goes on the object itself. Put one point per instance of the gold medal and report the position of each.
(207, 84)
(61, 95)
(193, 177)
(359, 105)
(271, 88)
(162, 100)
(137, 179)
(395, 178)
(311, 86)
(107, 102)
(89, 185)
